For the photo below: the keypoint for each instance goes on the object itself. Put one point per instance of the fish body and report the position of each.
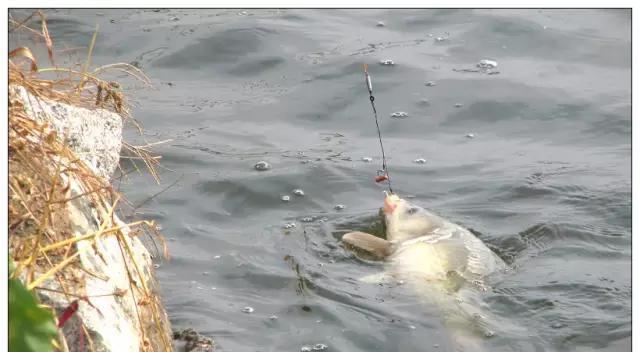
(440, 261)
(429, 248)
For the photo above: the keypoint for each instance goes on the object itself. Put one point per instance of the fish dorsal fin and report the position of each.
(369, 244)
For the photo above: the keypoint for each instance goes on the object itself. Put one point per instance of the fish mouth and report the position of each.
(390, 203)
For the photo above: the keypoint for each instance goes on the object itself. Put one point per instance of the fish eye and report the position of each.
(412, 210)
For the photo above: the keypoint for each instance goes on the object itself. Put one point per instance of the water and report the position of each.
(545, 180)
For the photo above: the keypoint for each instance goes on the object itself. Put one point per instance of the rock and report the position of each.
(113, 321)
(125, 312)
(188, 340)
(95, 135)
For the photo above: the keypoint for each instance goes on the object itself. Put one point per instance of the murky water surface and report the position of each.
(532, 154)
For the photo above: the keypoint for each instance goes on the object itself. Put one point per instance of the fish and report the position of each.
(440, 261)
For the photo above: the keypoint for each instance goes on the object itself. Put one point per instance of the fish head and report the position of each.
(405, 220)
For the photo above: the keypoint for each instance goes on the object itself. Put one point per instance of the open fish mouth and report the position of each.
(390, 203)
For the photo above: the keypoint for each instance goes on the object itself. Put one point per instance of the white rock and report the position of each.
(117, 327)
(95, 135)
(113, 321)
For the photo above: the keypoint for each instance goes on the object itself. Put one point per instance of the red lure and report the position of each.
(381, 178)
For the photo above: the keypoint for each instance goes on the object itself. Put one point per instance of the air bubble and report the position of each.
(262, 166)
(487, 64)
(399, 115)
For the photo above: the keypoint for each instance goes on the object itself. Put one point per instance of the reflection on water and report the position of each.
(532, 154)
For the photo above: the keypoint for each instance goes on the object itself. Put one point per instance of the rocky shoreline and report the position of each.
(117, 301)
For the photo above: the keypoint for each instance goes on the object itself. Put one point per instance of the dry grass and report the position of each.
(42, 169)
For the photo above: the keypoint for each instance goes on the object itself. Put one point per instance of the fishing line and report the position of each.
(385, 172)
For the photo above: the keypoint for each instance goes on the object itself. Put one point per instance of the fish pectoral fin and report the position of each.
(369, 244)
(379, 278)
